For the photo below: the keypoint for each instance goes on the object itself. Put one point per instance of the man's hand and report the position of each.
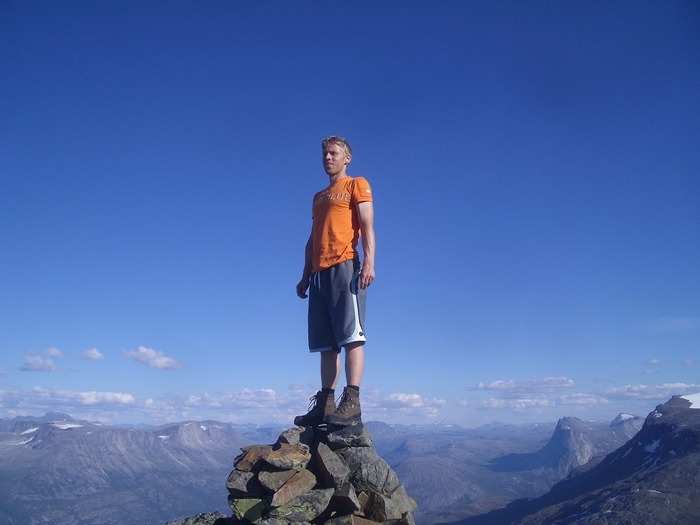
(302, 286)
(366, 275)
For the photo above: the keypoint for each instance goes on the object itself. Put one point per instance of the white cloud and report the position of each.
(246, 398)
(98, 398)
(400, 405)
(54, 352)
(517, 403)
(37, 363)
(153, 358)
(582, 399)
(93, 354)
(510, 386)
(653, 362)
(660, 392)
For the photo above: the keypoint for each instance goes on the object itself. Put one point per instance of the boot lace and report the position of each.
(344, 403)
(313, 401)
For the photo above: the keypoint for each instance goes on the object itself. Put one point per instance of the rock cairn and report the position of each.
(317, 475)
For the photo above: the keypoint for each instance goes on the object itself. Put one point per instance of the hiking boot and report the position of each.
(321, 405)
(348, 411)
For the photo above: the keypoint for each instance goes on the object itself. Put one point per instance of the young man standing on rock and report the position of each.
(342, 214)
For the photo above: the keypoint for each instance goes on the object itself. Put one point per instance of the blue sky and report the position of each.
(535, 173)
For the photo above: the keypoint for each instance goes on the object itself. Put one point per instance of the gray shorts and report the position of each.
(336, 307)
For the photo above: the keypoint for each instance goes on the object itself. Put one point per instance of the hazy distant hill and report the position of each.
(654, 479)
(61, 471)
(57, 470)
(454, 473)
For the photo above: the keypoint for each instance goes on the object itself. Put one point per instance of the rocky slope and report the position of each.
(456, 473)
(54, 469)
(314, 475)
(573, 443)
(654, 479)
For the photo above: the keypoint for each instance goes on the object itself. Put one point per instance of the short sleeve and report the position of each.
(361, 191)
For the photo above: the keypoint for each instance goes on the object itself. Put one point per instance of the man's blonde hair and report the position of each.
(335, 139)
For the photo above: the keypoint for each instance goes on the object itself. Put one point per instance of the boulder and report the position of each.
(303, 508)
(350, 520)
(350, 436)
(369, 471)
(300, 483)
(273, 481)
(206, 518)
(249, 509)
(286, 457)
(383, 508)
(250, 457)
(296, 435)
(345, 500)
(243, 484)
(332, 469)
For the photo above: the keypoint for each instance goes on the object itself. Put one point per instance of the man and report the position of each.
(342, 213)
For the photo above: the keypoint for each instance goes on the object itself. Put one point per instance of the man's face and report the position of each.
(335, 159)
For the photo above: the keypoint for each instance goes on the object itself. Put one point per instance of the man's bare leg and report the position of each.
(330, 367)
(354, 363)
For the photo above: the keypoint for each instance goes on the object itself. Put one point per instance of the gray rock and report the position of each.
(273, 481)
(206, 518)
(345, 500)
(350, 520)
(350, 436)
(332, 470)
(383, 508)
(305, 507)
(287, 456)
(300, 483)
(277, 521)
(249, 509)
(369, 471)
(296, 435)
(250, 457)
(238, 483)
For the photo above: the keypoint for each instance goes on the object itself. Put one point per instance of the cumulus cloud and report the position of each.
(37, 363)
(582, 399)
(72, 401)
(246, 398)
(521, 403)
(93, 354)
(400, 406)
(54, 352)
(153, 358)
(510, 386)
(660, 391)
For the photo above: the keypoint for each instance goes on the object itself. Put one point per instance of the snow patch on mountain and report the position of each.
(29, 431)
(694, 400)
(65, 426)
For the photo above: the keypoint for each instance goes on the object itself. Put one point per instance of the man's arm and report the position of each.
(303, 283)
(366, 215)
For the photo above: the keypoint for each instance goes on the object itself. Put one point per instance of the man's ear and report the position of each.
(348, 159)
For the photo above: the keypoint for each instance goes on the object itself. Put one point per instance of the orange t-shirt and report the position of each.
(336, 225)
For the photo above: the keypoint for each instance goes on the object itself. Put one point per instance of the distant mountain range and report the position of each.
(653, 479)
(456, 473)
(55, 469)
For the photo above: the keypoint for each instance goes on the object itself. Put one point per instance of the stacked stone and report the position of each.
(320, 476)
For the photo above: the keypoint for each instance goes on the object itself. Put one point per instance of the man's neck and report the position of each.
(334, 178)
